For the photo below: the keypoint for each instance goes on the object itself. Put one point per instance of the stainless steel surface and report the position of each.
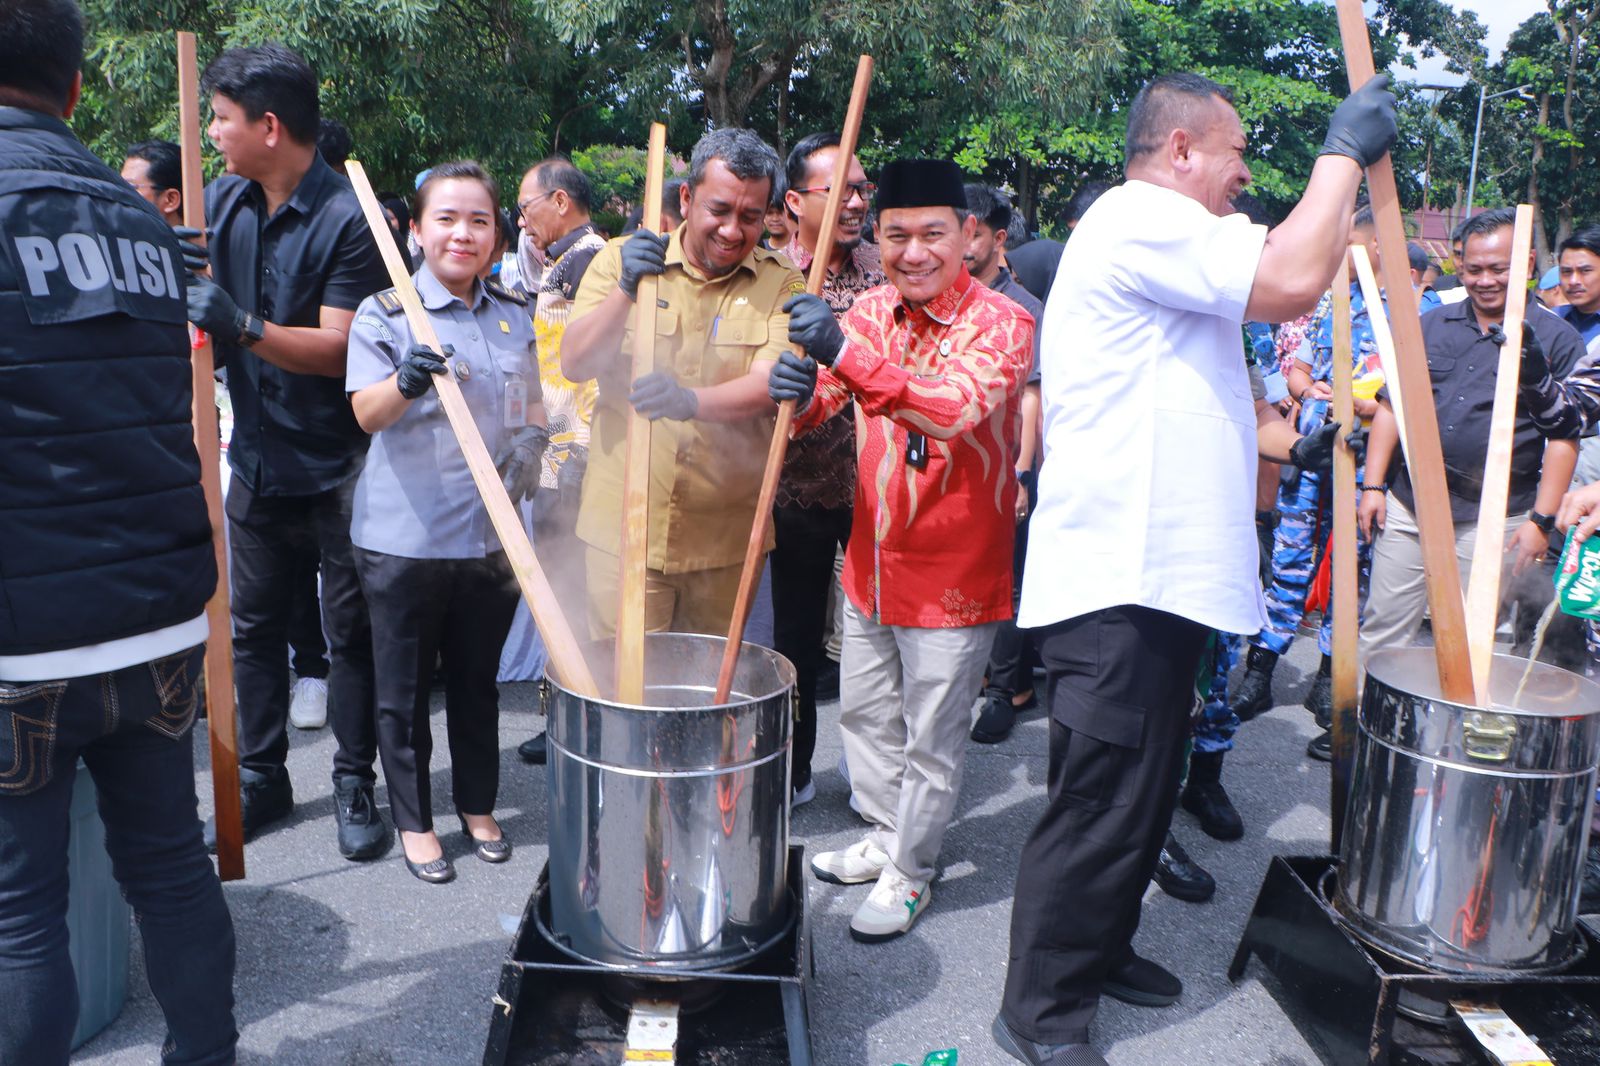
(669, 823)
(1466, 829)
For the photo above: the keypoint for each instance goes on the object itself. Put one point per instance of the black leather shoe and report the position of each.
(1180, 876)
(1035, 1054)
(363, 836)
(437, 872)
(487, 850)
(1142, 983)
(827, 681)
(994, 721)
(1254, 692)
(264, 798)
(534, 750)
(1589, 896)
(1319, 701)
(1321, 746)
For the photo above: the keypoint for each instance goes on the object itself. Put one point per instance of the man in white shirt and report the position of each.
(1144, 529)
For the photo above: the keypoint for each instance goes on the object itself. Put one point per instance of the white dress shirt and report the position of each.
(1147, 493)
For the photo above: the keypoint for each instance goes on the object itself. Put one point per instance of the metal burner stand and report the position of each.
(553, 1009)
(1347, 998)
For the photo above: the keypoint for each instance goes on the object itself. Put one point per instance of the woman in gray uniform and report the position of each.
(432, 569)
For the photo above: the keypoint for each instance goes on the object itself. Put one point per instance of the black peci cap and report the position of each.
(921, 183)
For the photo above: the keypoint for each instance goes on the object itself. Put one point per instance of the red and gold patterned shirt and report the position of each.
(932, 547)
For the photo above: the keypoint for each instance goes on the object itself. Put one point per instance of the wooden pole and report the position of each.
(1345, 598)
(635, 548)
(750, 577)
(565, 654)
(221, 724)
(1424, 458)
(1373, 295)
(1488, 551)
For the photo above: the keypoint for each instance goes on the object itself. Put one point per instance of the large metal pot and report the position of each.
(1466, 827)
(669, 822)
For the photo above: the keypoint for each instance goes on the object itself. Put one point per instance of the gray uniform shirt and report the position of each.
(416, 497)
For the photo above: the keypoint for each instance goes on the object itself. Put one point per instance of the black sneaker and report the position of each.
(1142, 983)
(994, 721)
(1319, 701)
(534, 750)
(827, 681)
(1321, 746)
(1208, 801)
(363, 836)
(264, 798)
(1181, 877)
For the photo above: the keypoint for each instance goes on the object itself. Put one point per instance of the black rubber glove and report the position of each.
(658, 395)
(1535, 367)
(793, 378)
(213, 310)
(813, 327)
(1363, 127)
(642, 253)
(569, 478)
(1314, 451)
(1357, 439)
(519, 462)
(415, 375)
(195, 257)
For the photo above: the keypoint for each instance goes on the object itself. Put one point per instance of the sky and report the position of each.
(1500, 16)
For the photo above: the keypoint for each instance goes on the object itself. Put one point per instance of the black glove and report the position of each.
(658, 395)
(519, 462)
(813, 327)
(569, 477)
(1363, 127)
(1535, 367)
(793, 378)
(642, 253)
(1357, 440)
(415, 375)
(213, 310)
(1314, 451)
(195, 257)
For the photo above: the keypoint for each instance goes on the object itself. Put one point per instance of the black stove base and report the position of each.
(552, 1010)
(1359, 1006)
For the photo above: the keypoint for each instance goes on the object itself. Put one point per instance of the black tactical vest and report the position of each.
(103, 525)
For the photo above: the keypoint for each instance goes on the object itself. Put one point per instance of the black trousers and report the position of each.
(268, 537)
(1121, 686)
(1009, 669)
(802, 575)
(459, 612)
(308, 650)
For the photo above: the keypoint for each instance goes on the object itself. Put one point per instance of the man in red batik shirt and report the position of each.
(935, 363)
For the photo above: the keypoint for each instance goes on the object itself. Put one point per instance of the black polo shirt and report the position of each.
(1034, 265)
(1463, 363)
(293, 434)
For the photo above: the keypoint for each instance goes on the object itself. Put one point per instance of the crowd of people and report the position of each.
(1104, 460)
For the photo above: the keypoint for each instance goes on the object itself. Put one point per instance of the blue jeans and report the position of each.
(133, 729)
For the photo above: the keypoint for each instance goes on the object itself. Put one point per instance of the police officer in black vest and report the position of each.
(291, 260)
(105, 566)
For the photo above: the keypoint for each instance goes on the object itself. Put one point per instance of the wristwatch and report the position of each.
(251, 331)
(1546, 522)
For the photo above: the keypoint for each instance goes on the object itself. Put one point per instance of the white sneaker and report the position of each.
(896, 902)
(308, 704)
(861, 862)
(803, 795)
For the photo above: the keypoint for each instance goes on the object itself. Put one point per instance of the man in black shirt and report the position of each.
(291, 260)
(1463, 344)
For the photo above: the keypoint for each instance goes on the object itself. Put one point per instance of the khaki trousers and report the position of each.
(1398, 593)
(905, 709)
(697, 602)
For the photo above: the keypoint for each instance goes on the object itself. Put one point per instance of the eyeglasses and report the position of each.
(523, 205)
(864, 189)
(146, 185)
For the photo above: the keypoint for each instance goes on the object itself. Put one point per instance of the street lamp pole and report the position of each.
(1477, 136)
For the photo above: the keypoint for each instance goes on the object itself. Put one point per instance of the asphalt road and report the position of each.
(348, 964)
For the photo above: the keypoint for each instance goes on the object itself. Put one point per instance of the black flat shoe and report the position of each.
(436, 872)
(1142, 983)
(487, 850)
(534, 750)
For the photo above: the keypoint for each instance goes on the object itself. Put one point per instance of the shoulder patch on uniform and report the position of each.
(378, 326)
(494, 288)
(389, 301)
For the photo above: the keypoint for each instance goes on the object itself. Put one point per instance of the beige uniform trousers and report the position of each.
(700, 601)
(905, 709)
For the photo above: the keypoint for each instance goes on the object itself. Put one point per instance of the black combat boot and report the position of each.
(1205, 798)
(1254, 692)
(1319, 701)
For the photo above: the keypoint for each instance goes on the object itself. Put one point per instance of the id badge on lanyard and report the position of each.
(516, 402)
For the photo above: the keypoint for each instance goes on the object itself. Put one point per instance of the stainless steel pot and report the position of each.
(669, 822)
(1466, 827)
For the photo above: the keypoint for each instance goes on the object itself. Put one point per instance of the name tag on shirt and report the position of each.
(516, 403)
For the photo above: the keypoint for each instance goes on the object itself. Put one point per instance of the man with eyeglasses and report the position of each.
(154, 169)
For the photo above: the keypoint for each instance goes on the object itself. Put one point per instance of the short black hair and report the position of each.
(402, 213)
(557, 172)
(460, 169)
(41, 51)
(671, 201)
(1166, 103)
(1486, 223)
(989, 205)
(1364, 218)
(165, 161)
(1418, 255)
(1586, 239)
(268, 77)
(1459, 233)
(799, 158)
(333, 141)
(1087, 194)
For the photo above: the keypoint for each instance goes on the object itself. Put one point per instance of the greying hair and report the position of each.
(741, 151)
(1170, 102)
(558, 172)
